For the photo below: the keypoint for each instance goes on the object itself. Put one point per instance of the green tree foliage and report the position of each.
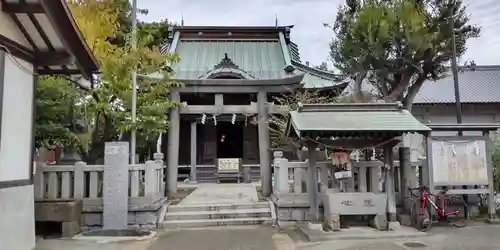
(53, 127)
(398, 44)
(151, 34)
(107, 108)
(495, 160)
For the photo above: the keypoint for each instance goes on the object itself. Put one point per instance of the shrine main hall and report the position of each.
(231, 76)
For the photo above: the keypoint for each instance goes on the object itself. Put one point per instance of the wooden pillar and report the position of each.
(312, 183)
(173, 146)
(389, 183)
(264, 144)
(193, 151)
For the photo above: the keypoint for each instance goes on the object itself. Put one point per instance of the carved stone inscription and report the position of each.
(355, 203)
(116, 182)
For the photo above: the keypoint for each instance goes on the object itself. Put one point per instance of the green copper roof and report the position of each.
(353, 120)
(316, 79)
(260, 59)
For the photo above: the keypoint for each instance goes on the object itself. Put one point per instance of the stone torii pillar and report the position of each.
(264, 144)
(173, 146)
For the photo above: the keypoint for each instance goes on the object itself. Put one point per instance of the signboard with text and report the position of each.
(228, 164)
(459, 162)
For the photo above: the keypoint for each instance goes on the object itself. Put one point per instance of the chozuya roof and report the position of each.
(353, 120)
(247, 52)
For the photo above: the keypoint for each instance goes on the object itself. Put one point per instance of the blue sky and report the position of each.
(308, 17)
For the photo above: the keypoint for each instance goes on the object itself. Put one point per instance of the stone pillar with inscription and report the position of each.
(115, 185)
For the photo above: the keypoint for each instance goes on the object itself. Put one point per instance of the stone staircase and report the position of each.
(188, 216)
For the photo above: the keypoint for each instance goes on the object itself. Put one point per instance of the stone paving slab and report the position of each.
(221, 194)
(86, 245)
(360, 233)
(225, 238)
(439, 238)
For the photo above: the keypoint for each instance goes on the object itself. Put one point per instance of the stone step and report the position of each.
(178, 224)
(216, 207)
(219, 214)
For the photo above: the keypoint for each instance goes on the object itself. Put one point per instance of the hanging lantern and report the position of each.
(215, 120)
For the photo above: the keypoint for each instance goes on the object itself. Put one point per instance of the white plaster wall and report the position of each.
(437, 114)
(17, 218)
(16, 137)
(9, 29)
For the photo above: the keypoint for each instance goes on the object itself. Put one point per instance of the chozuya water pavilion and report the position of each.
(230, 76)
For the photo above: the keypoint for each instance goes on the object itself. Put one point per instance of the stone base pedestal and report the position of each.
(394, 226)
(379, 222)
(68, 213)
(332, 223)
(314, 226)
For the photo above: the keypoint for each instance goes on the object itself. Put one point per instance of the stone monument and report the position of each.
(115, 185)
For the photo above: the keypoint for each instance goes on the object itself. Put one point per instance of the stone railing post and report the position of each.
(79, 180)
(298, 180)
(158, 157)
(277, 156)
(149, 179)
(281, 172)
(38, 181)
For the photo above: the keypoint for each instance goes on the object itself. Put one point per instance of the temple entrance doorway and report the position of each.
(230, 140)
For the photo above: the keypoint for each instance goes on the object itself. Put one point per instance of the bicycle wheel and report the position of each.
(420, 216)
(461, 219)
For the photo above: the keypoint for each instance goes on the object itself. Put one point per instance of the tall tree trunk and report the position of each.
(412, 92)
(358, 81)
(399, 90)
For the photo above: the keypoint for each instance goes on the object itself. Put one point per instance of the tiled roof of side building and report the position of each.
(478, 84)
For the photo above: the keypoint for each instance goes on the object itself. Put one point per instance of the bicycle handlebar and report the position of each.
(419, 189)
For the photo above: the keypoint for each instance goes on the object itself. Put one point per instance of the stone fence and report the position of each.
(84, 182)
(290, 183)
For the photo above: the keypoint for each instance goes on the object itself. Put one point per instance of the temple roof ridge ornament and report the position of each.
(226, 67)
(226, 62)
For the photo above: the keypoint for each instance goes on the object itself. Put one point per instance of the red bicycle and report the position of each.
(449, 209)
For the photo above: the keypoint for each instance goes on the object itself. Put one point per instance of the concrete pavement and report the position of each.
(67, 244)
(220, 238)
(484, 237)
(481, 236)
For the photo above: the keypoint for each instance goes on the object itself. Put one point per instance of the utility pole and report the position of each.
(454, 69)
(134, 84)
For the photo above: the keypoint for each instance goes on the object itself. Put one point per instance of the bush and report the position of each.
(495, 160)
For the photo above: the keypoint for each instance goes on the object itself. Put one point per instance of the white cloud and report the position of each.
(308, 17)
